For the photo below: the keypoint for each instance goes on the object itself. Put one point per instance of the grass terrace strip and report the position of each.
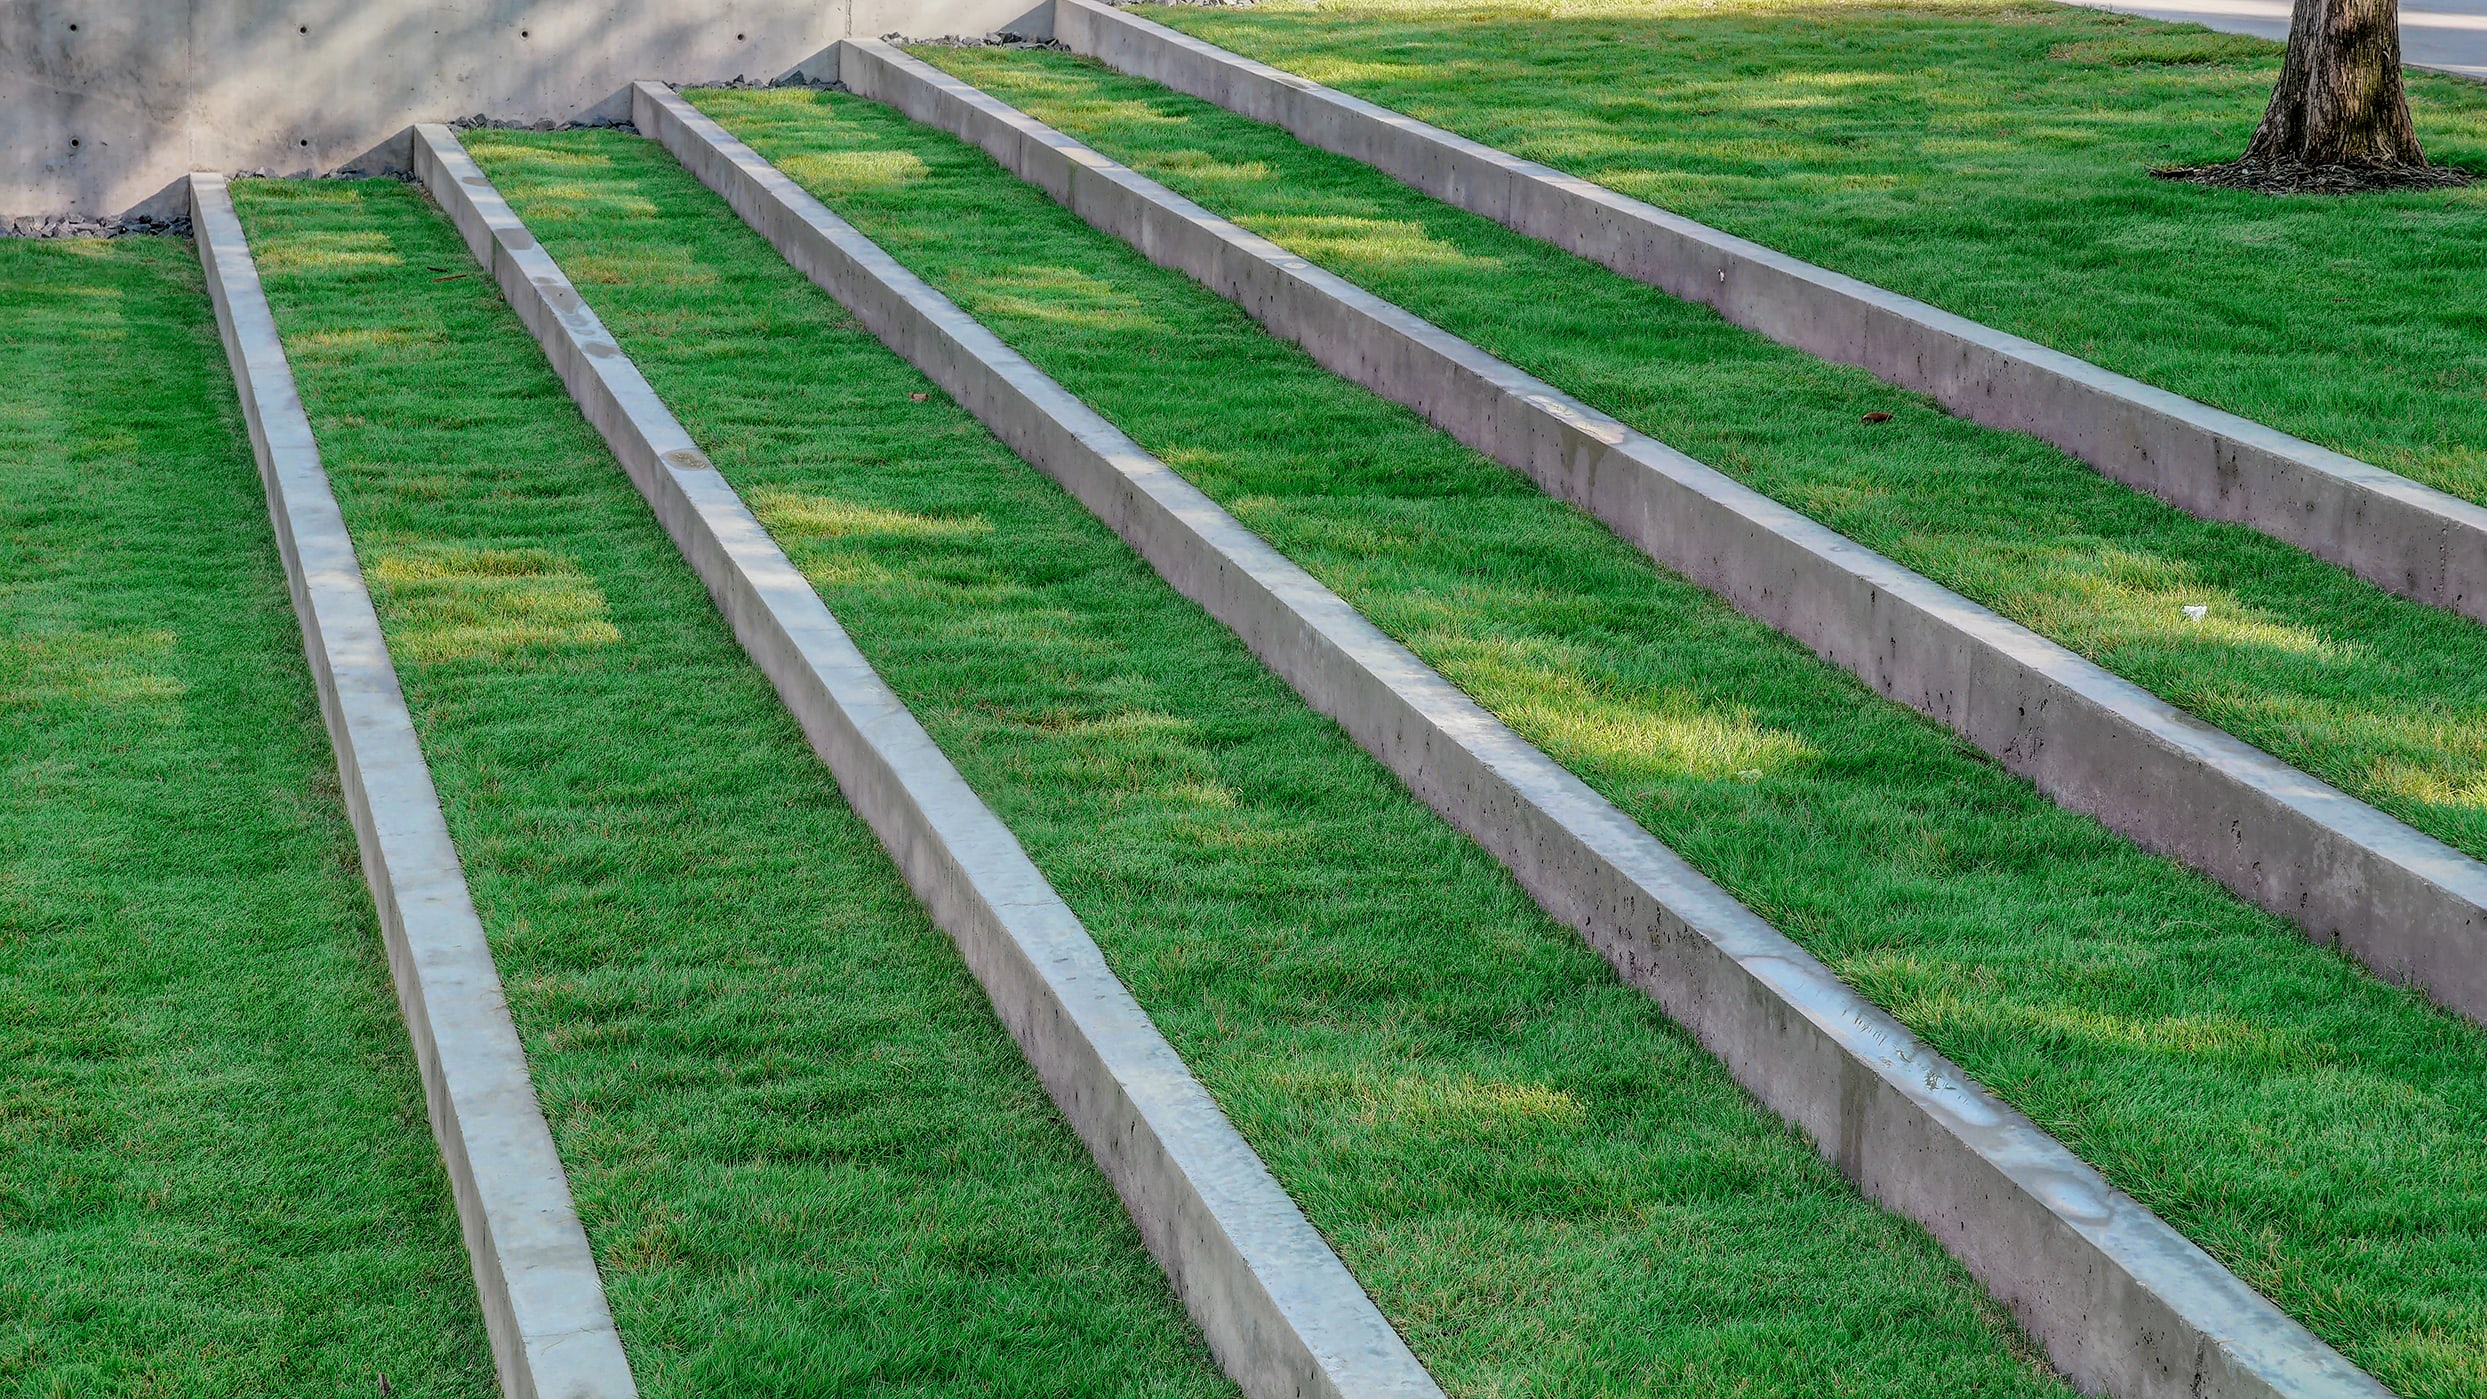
(1991, 157)
(806, 1155)
(2317, 1132)
(2390, 530)
(2397, 899)
(214, 1173)
(1544, 1185)
(1278, 1308)
(543, 1303)
(2122, 1302)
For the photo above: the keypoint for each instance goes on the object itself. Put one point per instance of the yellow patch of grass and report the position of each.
(856, 170)
(1462, 1103)
(453, 602)
(796, 515)
(325, 250)
(89, 667)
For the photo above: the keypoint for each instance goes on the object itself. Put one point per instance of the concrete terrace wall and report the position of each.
(106, 104)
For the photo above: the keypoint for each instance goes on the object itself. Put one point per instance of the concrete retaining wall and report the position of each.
(2391, 531)
(1280, 1311)
(106, 103)
(543, 1302)
(2407, 905)
(2122, 1303)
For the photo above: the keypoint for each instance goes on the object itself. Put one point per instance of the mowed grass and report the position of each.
(216, 1176)
(2318, 1132)
(1989, 156)
(808, 1157)
(1543, 1184)
(2383, 697)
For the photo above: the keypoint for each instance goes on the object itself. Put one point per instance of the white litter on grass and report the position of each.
(2196, 611)
(1750, 774)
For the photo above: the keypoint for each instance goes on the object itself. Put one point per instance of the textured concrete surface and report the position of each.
(1280, 1311)
(2444, 36)
(543, 1303)
(104, 103)
(2407, 905)
(2122, 1302)
(2387, 529)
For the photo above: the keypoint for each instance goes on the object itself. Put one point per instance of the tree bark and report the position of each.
(2339, 100)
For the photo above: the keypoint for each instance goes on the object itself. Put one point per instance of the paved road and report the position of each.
(2448, 35)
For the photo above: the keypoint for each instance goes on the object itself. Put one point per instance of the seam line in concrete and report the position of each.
(2121, 1300)
(1281, 1312)
(2394, 532)
(2409, 906)
(543, 1302)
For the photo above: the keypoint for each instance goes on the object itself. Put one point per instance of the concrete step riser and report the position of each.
(1280, 1311)
(2123, 1304)
(2400, 901)
(543, 1303)
(2393, 532)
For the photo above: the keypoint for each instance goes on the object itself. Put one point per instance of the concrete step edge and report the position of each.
(543, 1301)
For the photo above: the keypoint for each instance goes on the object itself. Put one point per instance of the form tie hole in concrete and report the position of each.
(73, 143)
(522, 33)
(738, 38)
(302, 29)
(73, 29)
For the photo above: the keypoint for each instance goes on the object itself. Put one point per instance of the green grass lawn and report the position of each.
(1989, 156)
(216, 1176)
(2382, 697)
(2318, 1132)
(1549, 1189)
(809, 1159)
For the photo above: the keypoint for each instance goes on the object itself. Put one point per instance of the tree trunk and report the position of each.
(2339, 101)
